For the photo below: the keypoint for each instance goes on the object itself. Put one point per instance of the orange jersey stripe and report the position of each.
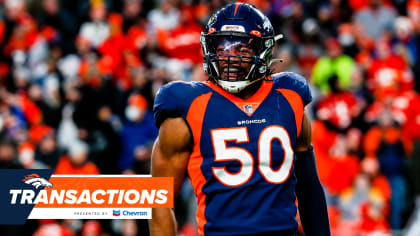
(195, 119)
(296, 103)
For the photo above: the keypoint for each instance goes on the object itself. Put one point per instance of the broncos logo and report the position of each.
(36, 181)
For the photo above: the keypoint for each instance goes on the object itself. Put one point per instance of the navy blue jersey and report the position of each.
(241, 165)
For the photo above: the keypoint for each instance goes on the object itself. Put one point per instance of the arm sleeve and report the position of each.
(310, 194)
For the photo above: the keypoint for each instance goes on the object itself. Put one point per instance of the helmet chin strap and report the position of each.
(277, 37)
(275, 60)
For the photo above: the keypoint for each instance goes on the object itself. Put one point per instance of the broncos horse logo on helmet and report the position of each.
(244, 27)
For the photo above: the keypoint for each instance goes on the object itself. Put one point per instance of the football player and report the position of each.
(242, 137)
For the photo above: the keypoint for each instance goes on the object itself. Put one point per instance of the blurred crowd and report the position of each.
(78, 79)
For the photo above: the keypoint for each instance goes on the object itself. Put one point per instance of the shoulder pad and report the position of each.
(295, 82)
(175, 98)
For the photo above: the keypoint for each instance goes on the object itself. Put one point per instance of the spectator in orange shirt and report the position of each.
(388, 73)
(373, 221)
(339, 108)
(370, 167)
(183, 42)
(323, 139)
(362, 208)
(112, 48)
(344, 167)
(76, 163)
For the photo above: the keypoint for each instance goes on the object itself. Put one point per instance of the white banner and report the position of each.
(91, 213)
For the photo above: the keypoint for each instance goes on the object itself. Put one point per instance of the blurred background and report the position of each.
(78, 79)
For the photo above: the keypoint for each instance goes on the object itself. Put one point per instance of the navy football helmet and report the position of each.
(237, 46)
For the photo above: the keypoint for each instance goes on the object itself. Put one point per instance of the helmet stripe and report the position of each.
(236, 8)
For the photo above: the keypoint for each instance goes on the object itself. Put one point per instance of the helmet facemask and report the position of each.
(235, 60)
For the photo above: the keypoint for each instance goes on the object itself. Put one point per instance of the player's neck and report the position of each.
(249, 91)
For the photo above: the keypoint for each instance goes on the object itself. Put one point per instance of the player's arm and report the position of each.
(312, 205)
(169, 159)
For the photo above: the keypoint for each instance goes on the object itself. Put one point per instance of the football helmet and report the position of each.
(237, 46)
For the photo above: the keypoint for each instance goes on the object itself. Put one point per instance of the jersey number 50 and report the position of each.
(240, 135)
